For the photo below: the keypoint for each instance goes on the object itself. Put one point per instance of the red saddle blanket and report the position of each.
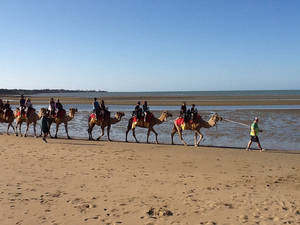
(180, 121)
(94, 116)
(19, 114)
(149, 116)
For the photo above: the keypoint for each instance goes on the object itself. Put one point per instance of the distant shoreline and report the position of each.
(14, 92)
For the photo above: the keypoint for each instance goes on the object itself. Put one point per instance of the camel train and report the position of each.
(147, 121)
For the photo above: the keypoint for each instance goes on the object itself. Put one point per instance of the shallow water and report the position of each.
(280, 124)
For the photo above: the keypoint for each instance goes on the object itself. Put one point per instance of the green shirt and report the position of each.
(254, 129)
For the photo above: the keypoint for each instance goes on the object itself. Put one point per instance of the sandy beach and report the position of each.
(79, 182)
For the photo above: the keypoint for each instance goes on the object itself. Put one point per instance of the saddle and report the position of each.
(21, 114)
(139, 122)
(191, 124)
(93, 116)
(61, 114)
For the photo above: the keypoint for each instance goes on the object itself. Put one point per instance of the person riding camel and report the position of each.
(183, 112)
(137, 111)
(60, 110)
(29, 107)
(1, 104)
(52, 108)
(96, 108)
(146, 111)
(194, 113)
(104, 110)
(22, 105)
(6, 108)
(188, 116)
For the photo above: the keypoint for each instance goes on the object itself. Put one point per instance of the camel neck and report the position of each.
(114, 120)
(162, 118)
(211, 122)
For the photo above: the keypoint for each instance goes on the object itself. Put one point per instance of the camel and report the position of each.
(8, 118)
(57, 120)
(195, 127)
(33, 117)
(152, 122)
(103, 123)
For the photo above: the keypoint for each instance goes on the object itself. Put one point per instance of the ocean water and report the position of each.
(176, 93)
(280, 125)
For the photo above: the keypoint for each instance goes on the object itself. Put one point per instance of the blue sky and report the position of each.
(156, 45)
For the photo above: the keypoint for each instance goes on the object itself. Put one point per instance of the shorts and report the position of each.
(254, 138)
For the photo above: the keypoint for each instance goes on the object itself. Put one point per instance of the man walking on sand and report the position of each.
(254, 135)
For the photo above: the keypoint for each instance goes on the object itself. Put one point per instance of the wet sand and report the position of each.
(171, 100)
(80, 182)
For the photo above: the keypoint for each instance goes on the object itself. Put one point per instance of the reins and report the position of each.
(231, 121)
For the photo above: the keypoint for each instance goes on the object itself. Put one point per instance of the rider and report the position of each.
(146, 110)
(183, 112)
(1, 104)
(194, 113)
(137, 111)
(6, 108)
(104, 111)
(52, 107)
(59, 107)
(29, 107)
(22, 104)
(187, 116)
(96, 108)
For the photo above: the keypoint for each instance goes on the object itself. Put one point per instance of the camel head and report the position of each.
(216, 117)
(73, 111)
(43, 111)
(165, 115)
(119, 115)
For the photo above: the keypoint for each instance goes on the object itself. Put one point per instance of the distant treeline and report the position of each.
(40, 91)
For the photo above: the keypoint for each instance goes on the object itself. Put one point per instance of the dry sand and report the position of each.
(79, 182)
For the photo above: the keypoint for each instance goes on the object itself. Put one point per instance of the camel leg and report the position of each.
(156, 135)
(180, 136)
(90, 130)
(27, 127)
(195, 139)
(126, 135)
(41, 132)
(9, 125)
(179, 130)
(108, 132)
(20, 131)
(34, 129)
(57, 126)
(50, 130)
(148, 133)
(102, 134)
(200, 137)
(16, 129)
(173, 133)
(128, 129)
(18, 124)
(7, 128)
(133, 133)
(66, 128)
